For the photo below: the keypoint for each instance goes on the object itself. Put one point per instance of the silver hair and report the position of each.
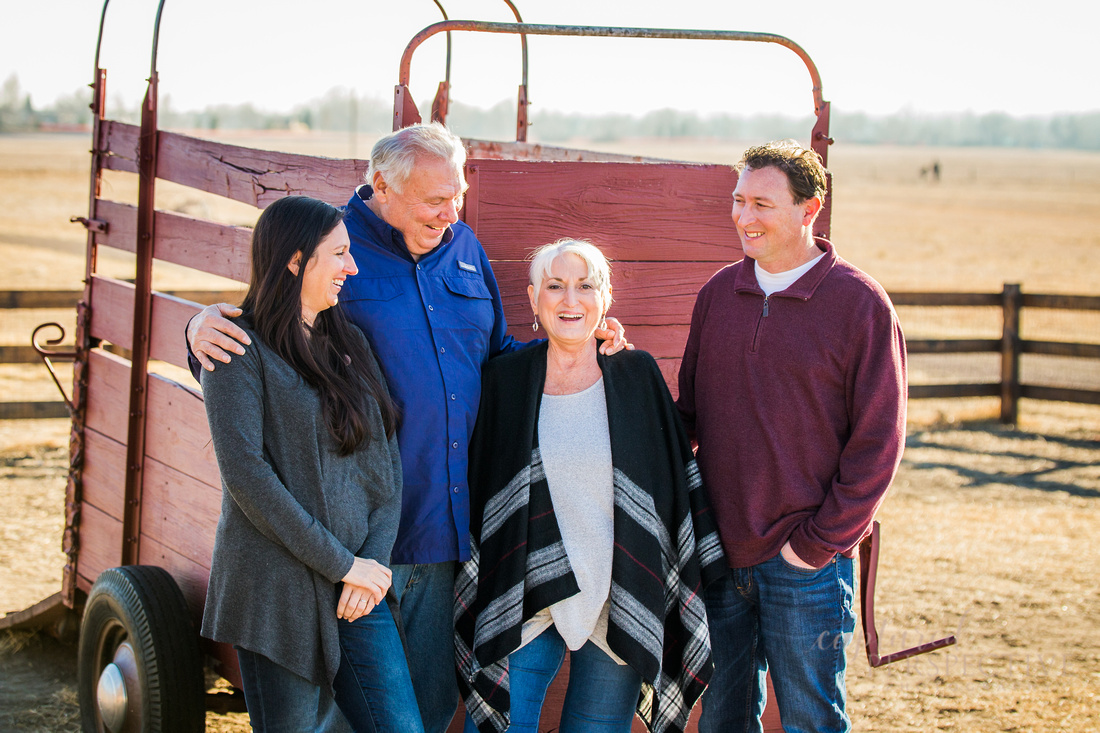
(599, 268)
(395, 155)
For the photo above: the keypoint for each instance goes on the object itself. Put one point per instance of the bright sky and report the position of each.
(875, 56)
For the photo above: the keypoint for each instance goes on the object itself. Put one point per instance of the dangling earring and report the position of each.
(535, 325)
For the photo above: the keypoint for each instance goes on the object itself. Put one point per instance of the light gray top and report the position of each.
(575, 446)
(294, 512)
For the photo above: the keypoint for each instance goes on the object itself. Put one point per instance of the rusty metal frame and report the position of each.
(442, 101)
(405, 111)
(78, 403)
(868, 569)
(148, 137)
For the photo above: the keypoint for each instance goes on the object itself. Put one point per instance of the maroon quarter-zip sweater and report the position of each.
(797, 401)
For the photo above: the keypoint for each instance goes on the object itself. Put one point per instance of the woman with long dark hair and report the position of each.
(304, 432)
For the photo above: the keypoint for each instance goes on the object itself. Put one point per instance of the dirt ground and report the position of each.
(990, 533)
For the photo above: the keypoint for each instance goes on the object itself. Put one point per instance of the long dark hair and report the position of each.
(328, 357)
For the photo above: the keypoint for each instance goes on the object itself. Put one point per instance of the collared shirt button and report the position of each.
(442, 349)
(454, 444)
(456, 489)
(431, 308)
(418, 267)
(453, 398)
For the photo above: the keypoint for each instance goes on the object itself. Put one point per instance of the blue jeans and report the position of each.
(791, 621)
(372, 686)
(601, 695)
(280, 701)
(425, 596)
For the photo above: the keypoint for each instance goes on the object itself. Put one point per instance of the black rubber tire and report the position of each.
(141, 607)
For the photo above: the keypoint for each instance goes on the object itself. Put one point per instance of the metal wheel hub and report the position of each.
(111, 697)
(118, 691)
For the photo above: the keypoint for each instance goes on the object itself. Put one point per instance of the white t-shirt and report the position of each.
(775, 282)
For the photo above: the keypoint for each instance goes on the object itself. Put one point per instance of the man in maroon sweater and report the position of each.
(793, 383)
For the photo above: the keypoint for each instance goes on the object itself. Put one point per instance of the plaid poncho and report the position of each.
(666, 544)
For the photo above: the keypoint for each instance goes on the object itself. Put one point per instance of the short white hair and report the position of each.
(396, 154)
(599, 268)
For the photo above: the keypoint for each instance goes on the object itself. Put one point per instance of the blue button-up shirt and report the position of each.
(433, 323)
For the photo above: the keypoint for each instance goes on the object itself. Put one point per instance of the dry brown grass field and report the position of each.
(990, 533)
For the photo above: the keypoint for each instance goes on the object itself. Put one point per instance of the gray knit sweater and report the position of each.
(294, 512)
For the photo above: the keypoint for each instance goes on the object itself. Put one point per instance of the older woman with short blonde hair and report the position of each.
(589, 528)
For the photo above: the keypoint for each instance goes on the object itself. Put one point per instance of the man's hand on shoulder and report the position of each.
(211, 336)
(613, 336)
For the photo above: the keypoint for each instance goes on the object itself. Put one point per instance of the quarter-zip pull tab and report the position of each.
(765, 306)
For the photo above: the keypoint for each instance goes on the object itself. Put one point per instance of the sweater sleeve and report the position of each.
(385, 518)
(235, 406)
(877, 389)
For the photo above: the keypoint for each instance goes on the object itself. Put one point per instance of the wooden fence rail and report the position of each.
(1011, 300)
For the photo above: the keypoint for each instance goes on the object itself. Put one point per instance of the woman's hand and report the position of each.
(365, 586)
(355, 602)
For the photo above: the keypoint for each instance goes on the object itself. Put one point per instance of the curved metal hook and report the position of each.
(99, 38)
(447, 76)
(522, 40)
(47, 354)
(156, 40)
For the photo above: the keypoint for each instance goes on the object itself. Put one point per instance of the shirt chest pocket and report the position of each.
(467, 303)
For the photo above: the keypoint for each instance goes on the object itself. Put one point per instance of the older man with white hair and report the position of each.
(427, 299)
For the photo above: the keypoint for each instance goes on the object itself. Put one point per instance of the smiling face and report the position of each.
(774, 230)
(426, 204)
(325, 272)
(568, 304)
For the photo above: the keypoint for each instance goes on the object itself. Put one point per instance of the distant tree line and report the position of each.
(341, 110)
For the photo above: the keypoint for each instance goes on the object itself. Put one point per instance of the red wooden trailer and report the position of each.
(143, 493)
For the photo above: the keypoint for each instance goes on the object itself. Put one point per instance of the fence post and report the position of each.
(1011, 302)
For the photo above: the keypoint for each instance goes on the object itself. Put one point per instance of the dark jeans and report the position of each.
(425, 594)
(601, 695)
(792, 622)
(280, 701)
(372, 686)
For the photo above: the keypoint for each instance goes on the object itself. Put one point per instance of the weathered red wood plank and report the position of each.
(120, 140)
(216, 248)
(493, 150)
(112, 310)
(204, 245)
(177, 434)
(108, 394)
(170, 317)
(670, 368)
(112, 319)
(632, 211)
(179, 512)
(191, 577)
(104, 472)
(100, 543)
(121, 225)
(256, 177)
